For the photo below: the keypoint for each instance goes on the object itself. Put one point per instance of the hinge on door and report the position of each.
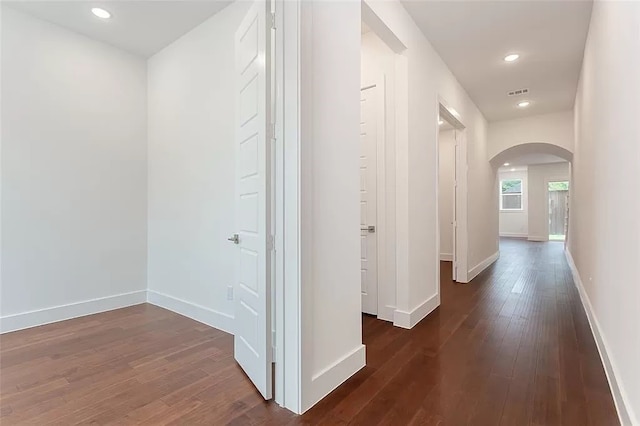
(273, 20)
(270, 243)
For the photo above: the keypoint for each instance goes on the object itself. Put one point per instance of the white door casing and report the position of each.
(368, 191)
(252, 341)
(454, 224)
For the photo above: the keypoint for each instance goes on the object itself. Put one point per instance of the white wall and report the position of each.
(191, 149)
(331, 333)
(446, 179)
(555, 128)
(539, 177)
(73, 174)
(427, 80)
(515, 223)
(604, 230)
(378, 64)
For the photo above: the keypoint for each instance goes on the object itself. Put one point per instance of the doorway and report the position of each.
(369, 121)
(558, 196)
(378, 64)
(450, 134)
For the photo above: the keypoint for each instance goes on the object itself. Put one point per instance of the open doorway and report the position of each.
(450, 133)
(558, 195)
(377, 171)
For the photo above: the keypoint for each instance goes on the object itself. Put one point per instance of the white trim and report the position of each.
(620, 397)
(39, 317)
(288, 309)
(410, 319)
(446, 257)
(386, 312)
(513, 235)
(196, 312)
(475, 271)
(330, 378)
(381, 194)
(538, 238)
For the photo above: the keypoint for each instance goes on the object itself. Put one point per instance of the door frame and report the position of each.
(286, 205)
(461, 271)
(546, 190)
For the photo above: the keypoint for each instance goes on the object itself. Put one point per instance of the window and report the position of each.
(511, 194)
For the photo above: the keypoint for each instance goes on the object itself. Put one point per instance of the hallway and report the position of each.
(512, 348)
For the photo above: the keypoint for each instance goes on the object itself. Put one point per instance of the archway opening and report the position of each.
(532, 182)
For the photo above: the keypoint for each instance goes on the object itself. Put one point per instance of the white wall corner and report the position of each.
(446, 257)
(72, 310)
(196, 312)
(620, 398)
(476, 270)
(408, 320)
(324, 382)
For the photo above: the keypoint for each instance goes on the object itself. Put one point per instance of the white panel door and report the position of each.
(368, 178)
(252, 342)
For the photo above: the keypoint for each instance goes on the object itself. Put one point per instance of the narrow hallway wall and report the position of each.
(604, 226)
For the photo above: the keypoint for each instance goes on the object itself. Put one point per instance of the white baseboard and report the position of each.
(333, 376)
(446, 257)
(539, 238)
(620, 398)
(406, 319)
(386, 313)
(475, 271)
(73, 310)
(513, 235)
(202, 314)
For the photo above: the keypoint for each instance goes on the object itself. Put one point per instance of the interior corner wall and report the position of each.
(554, 128)
(539, 177)
(74, 169)
(515, 223)
(378, 61)
(331, 308)
(446, 180)
(429, 80)
(604, 230)
(191, 128)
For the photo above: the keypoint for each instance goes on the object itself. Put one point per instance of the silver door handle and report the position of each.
(370, 229)
(235, 239)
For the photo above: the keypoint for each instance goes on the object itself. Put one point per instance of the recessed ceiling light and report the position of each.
(506, 164)
(440, 122)
(513, 170)
(512, 57)
(524, 104)
(101, 13)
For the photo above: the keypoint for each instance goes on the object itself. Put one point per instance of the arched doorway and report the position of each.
(532, 182)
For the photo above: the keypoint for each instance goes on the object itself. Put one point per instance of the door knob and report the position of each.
(371, 229)
(235, 239)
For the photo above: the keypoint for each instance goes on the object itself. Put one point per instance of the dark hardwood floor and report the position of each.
(513, 348)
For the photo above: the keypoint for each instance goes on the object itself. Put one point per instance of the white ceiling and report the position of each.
(530, 159)
(141, 27)
(473, 37)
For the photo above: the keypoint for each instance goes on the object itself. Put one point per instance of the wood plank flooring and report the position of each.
(513, 348)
